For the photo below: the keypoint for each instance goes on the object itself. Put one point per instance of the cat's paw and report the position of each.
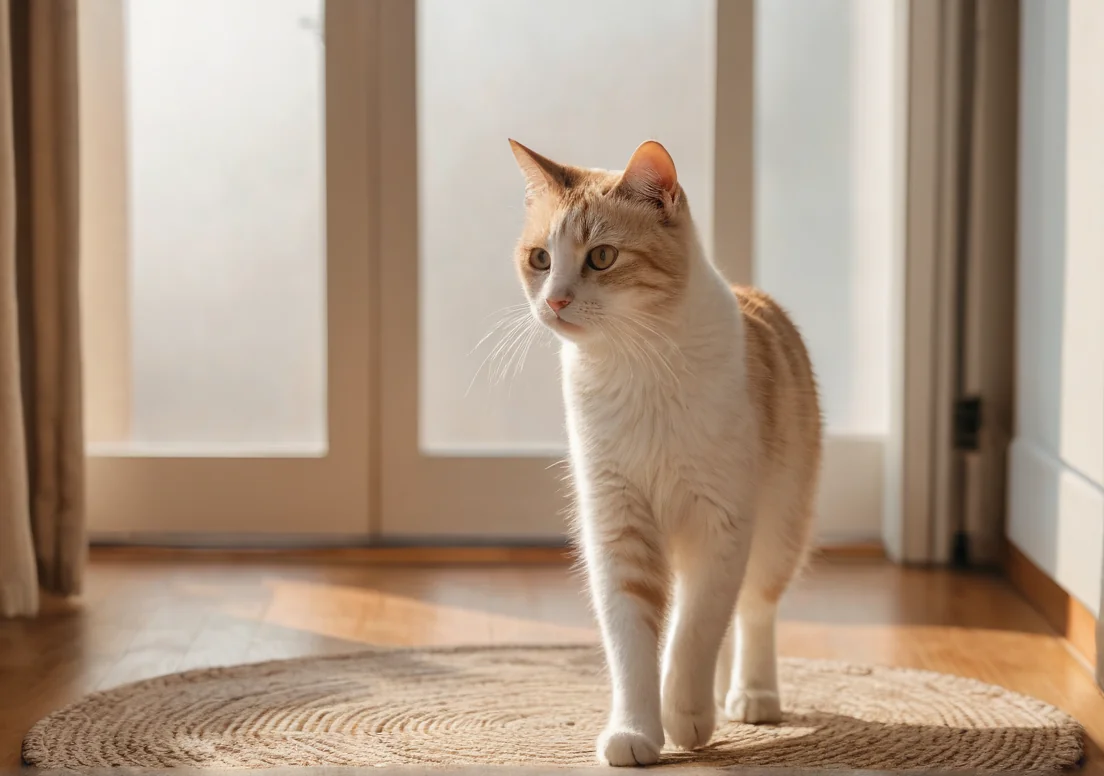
(621, 747)
(689, 729)
(756, 707)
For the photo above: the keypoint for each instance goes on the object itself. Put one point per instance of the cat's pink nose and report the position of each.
(558, 303)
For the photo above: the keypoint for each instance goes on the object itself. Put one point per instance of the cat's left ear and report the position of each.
(650, 175)
(541, 173)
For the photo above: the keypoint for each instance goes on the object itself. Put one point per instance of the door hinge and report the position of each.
(967, 423)
(960, 550)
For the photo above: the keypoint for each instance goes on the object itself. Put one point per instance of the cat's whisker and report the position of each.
(646, 350)
(534, 334)
(502, 357)
(641, 319)
(511, 326)
(643, 352)
(554, 464)
(512, 367)
(610, 330)
(509, 311)
(517, 313)
(510, 352)
(669, 346)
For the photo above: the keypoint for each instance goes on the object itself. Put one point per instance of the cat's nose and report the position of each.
(558, 303)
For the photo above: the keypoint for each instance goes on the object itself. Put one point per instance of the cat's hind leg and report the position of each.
(723, 673)
(778, 551)
(753, 688)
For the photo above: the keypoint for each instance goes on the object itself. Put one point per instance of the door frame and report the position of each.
(963, 62)
(918, 513)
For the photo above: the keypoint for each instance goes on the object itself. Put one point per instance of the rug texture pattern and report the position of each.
(533, 706)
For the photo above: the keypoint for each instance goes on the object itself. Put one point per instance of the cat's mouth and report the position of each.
(567, 327)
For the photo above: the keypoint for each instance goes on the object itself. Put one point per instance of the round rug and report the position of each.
(533, 706)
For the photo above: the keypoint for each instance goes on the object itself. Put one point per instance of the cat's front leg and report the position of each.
(628, 581)
(709, 562)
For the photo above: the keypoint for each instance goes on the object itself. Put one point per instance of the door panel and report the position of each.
(229, 389)
(655, 79)
(473, 434)
(468, 456)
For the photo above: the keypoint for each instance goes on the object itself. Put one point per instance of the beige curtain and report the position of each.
(42, 535)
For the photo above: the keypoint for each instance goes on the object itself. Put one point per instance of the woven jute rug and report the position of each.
(533, 706)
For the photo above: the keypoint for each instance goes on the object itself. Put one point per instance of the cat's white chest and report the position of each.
(641, 427)
(673, 440)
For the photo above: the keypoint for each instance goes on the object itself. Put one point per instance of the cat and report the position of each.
(694, 429)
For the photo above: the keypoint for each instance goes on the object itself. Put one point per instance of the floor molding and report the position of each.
(1056, 518)
(407, 556)
(1068, 616)
(384, 556)
(851, 551)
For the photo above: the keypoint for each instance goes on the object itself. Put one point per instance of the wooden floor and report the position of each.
(145, 616)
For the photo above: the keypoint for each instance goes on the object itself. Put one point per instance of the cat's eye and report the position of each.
(539, 259)
(602, 257)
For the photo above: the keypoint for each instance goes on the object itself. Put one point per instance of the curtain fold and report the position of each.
(42, 531)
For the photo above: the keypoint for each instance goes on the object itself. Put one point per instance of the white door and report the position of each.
(1056, 464)
(470, 443)
(226, 275)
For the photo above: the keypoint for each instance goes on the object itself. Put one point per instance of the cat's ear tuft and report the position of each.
(650, 174)
(541, 173)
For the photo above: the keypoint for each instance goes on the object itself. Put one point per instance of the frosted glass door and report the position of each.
(582, 82)
(472, 425)
(829, 214)
(227, 224)
(220, 310)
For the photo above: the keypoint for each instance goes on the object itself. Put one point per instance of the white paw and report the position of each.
(622, 747)
(689, 729)
(756, 707)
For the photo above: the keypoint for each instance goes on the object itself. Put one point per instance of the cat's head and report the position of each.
(603, 254)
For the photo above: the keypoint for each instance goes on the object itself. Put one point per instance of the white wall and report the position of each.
(227, 246)
(1056, 479)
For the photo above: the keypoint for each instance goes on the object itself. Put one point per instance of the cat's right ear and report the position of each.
(541, 173)
(650, 175)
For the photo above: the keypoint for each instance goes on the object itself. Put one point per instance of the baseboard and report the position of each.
(1056, 518)
(383, 556)
(1068, 616)
(399, 556)
(872, 550)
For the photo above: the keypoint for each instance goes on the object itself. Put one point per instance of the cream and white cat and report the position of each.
(695, 438)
